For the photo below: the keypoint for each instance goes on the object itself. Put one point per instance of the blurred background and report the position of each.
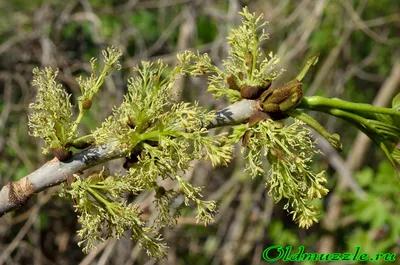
(359, 46)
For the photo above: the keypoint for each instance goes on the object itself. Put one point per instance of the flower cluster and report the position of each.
(289, 150)
(246, 64)
(160, 138)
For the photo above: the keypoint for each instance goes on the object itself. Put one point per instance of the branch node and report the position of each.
(20, 191)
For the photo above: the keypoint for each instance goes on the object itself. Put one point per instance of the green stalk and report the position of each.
(154, 135)
(387, 131)
(376, 138)
(100, 199)
(82, 111)
(77, 121)
(322, 103)
(83, 140)
(334, 140)
(310, 62)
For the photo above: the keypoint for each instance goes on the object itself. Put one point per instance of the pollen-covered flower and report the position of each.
(289, 150)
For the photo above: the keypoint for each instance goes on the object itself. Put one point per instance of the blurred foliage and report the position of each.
(207, 30)
(66, 34)
(378, 212)
(145, 21)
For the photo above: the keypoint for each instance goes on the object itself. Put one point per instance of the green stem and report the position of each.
(96, 196)
(375, 127)
(83, 141)
(283, 146)
(310, 62)
(355, 120)
(100, 199)
(333, 140)
(100, 185)
(77, 121)
(154, 135)
(99, 82)
(322, 103)
(217, 70)
(86, 138)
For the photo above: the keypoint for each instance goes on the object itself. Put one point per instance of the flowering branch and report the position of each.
(159, 139)
(15, 194)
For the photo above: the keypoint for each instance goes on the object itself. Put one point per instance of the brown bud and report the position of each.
(146, 125)
(278, 153)
(252, 92)
(256, 117)
(131, 122)
(86, 103)
(241, 75)
(246, 138)
(249, 60)
(232, 83)
(61, 153)
(292, 84)
(155, 79)
(70, 180)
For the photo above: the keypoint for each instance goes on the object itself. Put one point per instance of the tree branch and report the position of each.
(15, 194)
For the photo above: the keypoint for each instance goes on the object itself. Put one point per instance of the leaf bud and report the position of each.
(86, 103)
(61, 153)
(232, 82)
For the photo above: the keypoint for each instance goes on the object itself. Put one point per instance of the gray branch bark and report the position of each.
(15, 194)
